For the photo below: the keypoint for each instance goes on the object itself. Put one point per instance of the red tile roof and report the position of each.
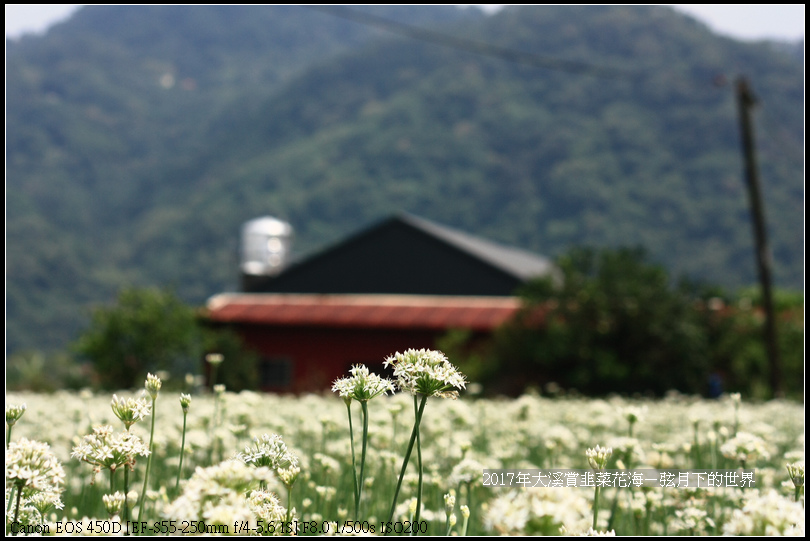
(364, 311)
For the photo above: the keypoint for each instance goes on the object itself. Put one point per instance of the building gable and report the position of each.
(408, 255)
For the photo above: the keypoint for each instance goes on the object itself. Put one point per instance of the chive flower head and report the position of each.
(745, 448)
(426, 372)
(130, 410)
(362, 385)
(106, 449)
(185, 402)
(14, 412)
(113, 503)
(152, 384)
(270, 451)
(598, 457)
(31, 465)
(796, 472)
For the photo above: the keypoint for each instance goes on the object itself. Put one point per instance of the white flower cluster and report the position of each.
(538, 512)
(796, 472)
(152, 385)
(467, 471)
(745, 448)
(426, 372)
(267, 508)
(450, 501)
(216, 495)
(130, 410)
(269, 450)
(288, 475)
(558, 438)
(185, 402)
(14, 412)
(113, 503)
(362, 385)
(598, 533)
(37, 476)
(326, 463)
(766, 513)
(405, 511)
(629, 449)
(106, 449)
(325, 493)
(43, 501)
(693, 520)
(31, 467)
(598, 457)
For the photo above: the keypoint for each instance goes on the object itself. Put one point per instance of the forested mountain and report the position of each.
(139, 138)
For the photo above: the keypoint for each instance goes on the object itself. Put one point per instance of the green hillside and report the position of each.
(112, 110)
(140, 138)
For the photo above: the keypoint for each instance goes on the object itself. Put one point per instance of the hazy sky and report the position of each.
(742, 21)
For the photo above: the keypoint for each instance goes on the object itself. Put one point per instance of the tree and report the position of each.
(739, 352)
(239, 370)
(614, 323)
(146, 330)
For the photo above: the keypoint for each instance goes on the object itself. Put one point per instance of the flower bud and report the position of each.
(113, 503)
(185, 402)
(450, 502)
(152, 385)
(13, 413)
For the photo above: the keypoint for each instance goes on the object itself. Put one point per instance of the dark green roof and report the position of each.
(406, 254)
(520, 263)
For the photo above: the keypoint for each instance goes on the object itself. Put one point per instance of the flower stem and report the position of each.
(289, 504)
(8, 436)
(647, 516)
(10, 499)
(419, 467)
(17, 508)
(148, 463)
(214, 423)
(364, 405)
(470, 502)
(126, 493)
(414, 433)
(613, 509)
(595, 506)
(182, 452)
(354, 462)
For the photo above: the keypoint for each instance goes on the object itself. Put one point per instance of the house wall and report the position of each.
(316, 356)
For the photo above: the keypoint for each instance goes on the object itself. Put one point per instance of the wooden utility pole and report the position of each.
(745, 101)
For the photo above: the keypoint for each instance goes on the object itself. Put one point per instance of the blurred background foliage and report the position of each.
(147, 330)
(618, 323)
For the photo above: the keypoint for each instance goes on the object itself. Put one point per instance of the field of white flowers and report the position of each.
(241, 456)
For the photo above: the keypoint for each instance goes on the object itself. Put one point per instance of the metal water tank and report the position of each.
(265, 246)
